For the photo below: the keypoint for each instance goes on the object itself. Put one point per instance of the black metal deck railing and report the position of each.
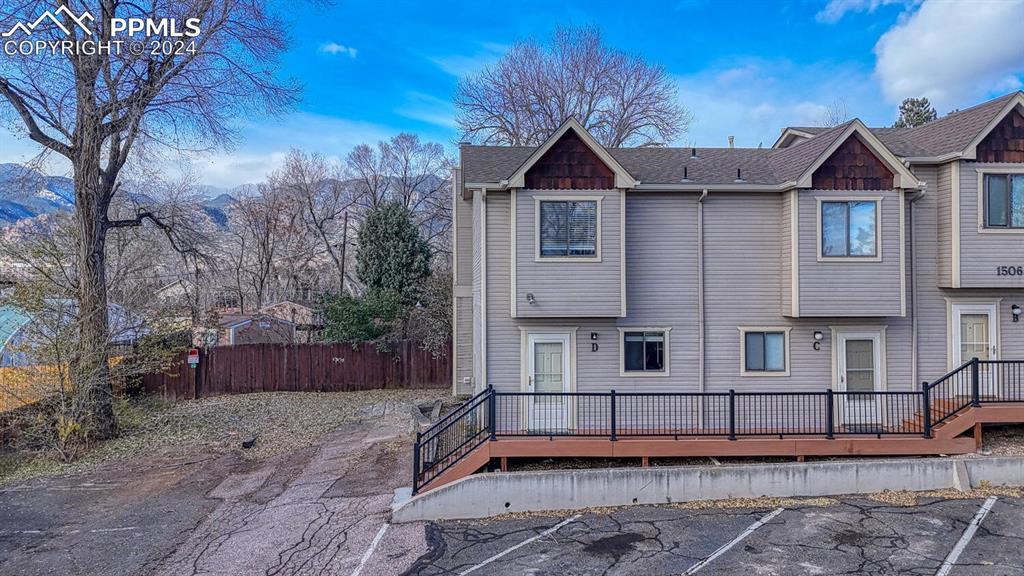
(829, 414)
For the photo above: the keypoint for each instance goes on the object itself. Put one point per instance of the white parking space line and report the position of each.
(369, 551)
(764, 520)
(954, 554)
(551, 530)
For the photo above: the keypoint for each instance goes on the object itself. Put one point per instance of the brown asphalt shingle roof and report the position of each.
(790, 163)
(666, 165)
(952, 133)
(949, 134)
(661, 165)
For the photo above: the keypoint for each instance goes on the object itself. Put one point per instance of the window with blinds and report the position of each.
(568, 228)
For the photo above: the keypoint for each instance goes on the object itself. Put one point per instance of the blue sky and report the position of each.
(747, 69)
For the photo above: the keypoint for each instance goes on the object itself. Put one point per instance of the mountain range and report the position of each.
(27, 193)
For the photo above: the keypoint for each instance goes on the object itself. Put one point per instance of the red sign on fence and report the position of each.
(193, 357)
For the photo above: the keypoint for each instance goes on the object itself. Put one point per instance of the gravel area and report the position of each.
(281, 422)
(1003, 440)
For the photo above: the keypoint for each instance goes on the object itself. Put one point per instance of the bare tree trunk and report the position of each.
(90, 368)
(344, 245)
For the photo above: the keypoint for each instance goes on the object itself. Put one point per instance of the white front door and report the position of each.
(974, 336)
(548, 375)
(859, 368)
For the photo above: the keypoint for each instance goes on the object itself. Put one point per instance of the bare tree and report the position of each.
(411, 172)
(315, 187)
(520, 100)
(46, 345)
(257, 223)
(421, 180)
(367, 170)
(96, 108)
(835, 113)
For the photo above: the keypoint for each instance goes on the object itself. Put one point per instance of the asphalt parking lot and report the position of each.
(853, 536)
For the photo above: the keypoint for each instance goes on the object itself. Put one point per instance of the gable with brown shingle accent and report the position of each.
(853, 166)
(1005, 143)
(570, 165)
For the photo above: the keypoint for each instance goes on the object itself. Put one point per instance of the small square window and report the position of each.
(643, 351)
(764, 351)
(849, 229)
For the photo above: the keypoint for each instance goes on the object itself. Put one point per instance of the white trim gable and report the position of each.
(785, 139)
(622, 178)
(902, 176)
(1017, 102)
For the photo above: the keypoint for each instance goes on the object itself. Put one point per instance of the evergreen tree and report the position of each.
(915, 112)
(392, 255)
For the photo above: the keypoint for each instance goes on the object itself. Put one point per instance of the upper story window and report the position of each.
(1004, 200)
(568, 229)
(849, 229)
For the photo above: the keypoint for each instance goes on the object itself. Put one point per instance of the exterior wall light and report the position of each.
(530, 299)
(818, 337)
(1015, 310)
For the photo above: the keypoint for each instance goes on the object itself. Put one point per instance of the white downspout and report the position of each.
(700, 301)
(913, 290)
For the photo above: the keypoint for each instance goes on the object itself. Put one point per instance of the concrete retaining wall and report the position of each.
(484, 495)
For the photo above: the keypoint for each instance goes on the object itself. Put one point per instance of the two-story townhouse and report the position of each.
(854, 260)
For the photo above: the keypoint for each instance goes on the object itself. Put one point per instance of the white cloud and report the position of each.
(953, 52)
(835, 10)
(754, 99)
(429, 109)
(261, 147)
(462, 64)
(334, 48)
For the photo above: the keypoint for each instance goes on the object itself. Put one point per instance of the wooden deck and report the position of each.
(947, 438)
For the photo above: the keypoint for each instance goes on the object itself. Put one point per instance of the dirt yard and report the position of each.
(177, 494)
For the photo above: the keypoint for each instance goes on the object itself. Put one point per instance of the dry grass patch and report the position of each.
(281, 421)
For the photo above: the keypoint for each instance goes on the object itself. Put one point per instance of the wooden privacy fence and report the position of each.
(301, 368)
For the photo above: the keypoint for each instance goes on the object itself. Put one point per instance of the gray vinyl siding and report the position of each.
(931, 209)
(661, 284)
(742, 290)
(932, 239)
(462, 213)
(566, 288)
(478, 296)
(940, 187)
(786, 255)
(981, 253)
(849, 287)
(661, 271)
(463, 353)
(501, 332)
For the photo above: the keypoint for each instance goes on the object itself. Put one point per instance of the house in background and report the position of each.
(807, 289)
(304, 318)
(12, 320)
(125, 329)
(256, 328)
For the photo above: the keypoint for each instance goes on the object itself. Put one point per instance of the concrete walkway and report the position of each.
(323, 516)
(319, 510)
